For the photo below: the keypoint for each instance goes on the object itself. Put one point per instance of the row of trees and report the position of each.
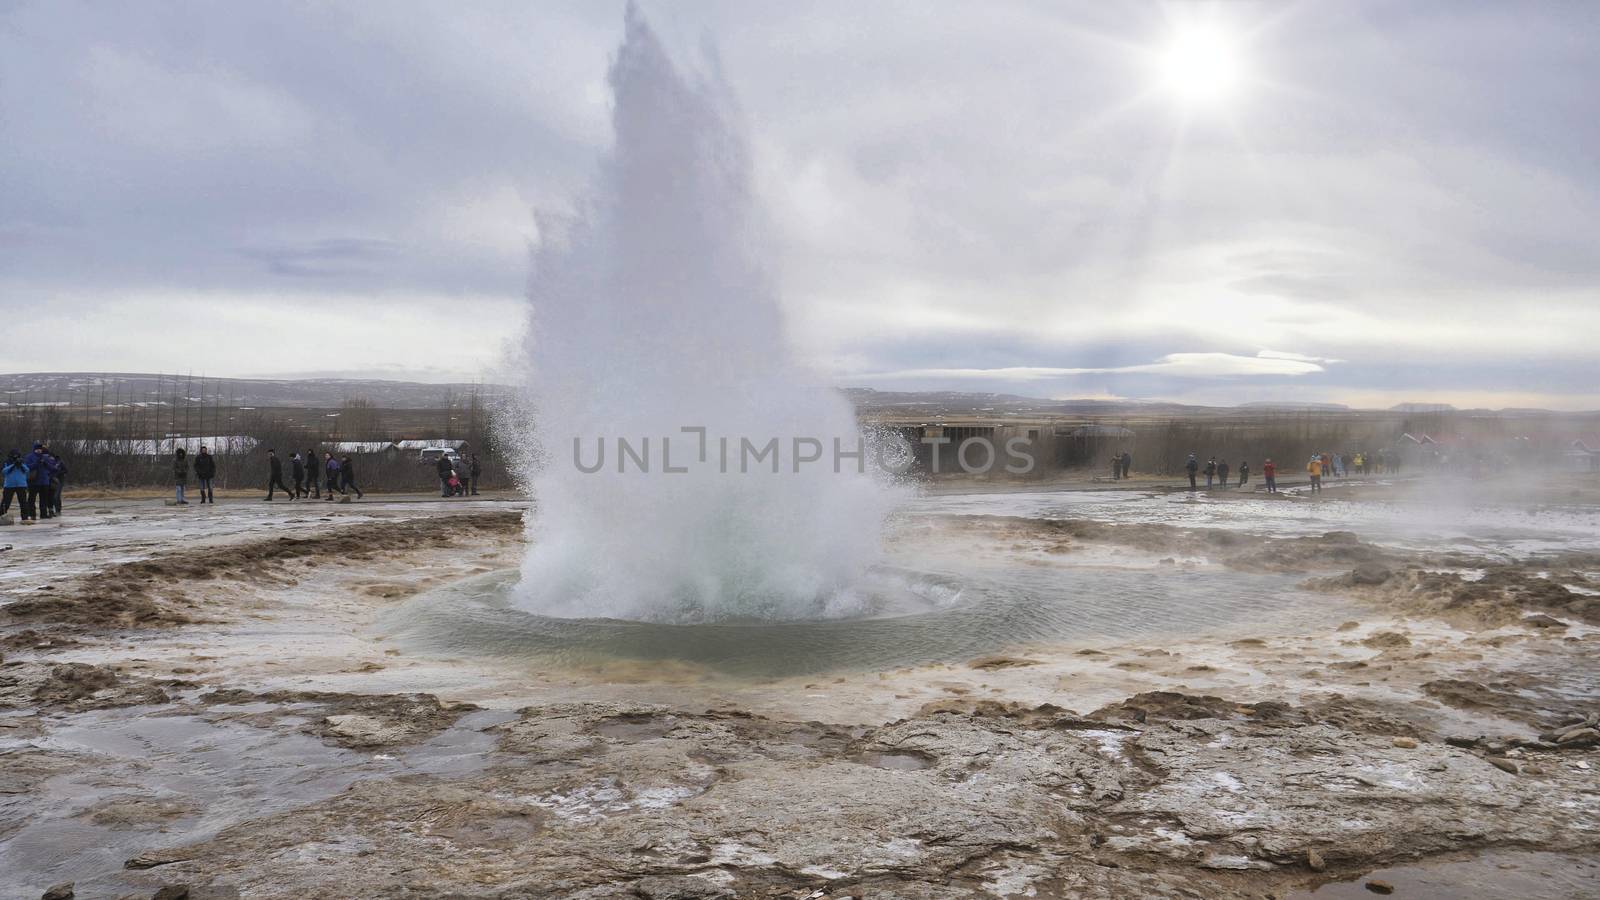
(114, 436)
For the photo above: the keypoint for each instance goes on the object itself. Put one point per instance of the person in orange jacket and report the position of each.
(1315, 468)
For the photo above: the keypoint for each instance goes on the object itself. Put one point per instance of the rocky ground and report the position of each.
(214, 719)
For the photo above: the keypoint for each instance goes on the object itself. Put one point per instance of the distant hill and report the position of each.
(1293, 407)
(1422, 407)
(960, 403)
(87, 388)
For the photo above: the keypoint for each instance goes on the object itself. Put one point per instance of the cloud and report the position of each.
(955, 197)
(178, 110)
(324, 258)
(1180, 365)
(1298, 357)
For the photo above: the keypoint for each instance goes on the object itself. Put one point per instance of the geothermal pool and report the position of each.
(944, 596)
(967, 615)
(938, 597)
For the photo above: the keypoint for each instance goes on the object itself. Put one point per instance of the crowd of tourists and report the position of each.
(1320, 466)
(458, 476)
(34, 482)
(312, 478)
(1121, 465)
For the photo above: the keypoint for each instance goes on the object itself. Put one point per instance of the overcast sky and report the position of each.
(1393, 202)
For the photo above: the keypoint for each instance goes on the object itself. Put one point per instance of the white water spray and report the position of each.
(654, 311)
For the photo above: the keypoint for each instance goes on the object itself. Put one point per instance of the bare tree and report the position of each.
(358, 419)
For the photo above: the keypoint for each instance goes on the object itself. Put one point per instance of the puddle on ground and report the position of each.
(156, 777)
(1525, 876)
(462, 749)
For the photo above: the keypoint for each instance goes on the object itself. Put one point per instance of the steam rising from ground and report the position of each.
(654, 310)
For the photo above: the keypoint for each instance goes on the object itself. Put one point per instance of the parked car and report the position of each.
(430, 455)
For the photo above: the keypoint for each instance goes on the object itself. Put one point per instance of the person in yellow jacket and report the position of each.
(1315, 468)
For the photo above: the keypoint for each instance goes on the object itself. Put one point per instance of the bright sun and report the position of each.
(1201, 65)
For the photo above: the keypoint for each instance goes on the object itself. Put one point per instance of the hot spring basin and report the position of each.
(963, 616)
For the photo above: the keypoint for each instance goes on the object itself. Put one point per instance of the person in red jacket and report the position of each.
(1270, 472)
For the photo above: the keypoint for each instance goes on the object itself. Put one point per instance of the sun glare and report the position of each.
(1200, 65)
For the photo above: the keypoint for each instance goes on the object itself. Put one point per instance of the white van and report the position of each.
(430, 455)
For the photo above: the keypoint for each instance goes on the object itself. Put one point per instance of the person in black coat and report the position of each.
(297, 473)
(38, 463)
(444, 469)
(180, 473)
(476, 472)
(275, 475)
(312, 467)
(205, 469)
(347, 478)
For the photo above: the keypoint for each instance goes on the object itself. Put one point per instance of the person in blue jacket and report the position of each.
(16, 485)
(332, 468)
(39, 481)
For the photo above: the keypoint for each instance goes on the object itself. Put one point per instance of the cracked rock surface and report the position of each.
(238, 731)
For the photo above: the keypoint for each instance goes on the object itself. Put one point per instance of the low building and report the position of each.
(222, 444)
(354, 447)
(430, 443)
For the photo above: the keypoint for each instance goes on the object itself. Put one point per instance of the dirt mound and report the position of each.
(990, 663)
(1336, 710)
(119, 602)
(1514, 589)
(1502, 699)
(78, 686)
(33, 639)
(1503, 596)
(151, 593)
(1168, 705)
(356, 721)
(1333, 550)
(1042, 714)
(1370, 574)
(1389, 718)
(1387, 640)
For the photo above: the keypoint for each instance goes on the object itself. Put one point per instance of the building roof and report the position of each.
(361, 446)
(237, 443)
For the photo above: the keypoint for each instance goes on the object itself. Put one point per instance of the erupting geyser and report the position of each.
(654, 311)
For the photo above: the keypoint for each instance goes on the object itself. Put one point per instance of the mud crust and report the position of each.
(161, 592)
